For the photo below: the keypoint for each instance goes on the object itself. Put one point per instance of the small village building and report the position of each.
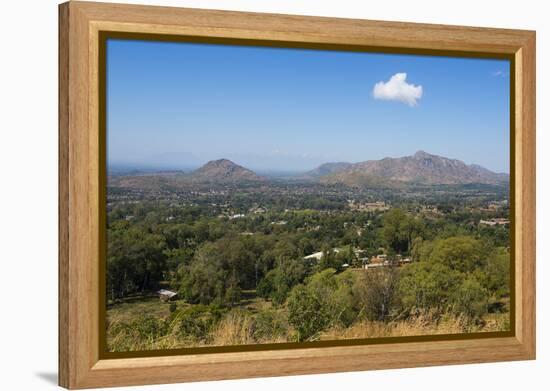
(318, 255)
(382, 261)
(493, 222)
(368, 206)
(166, 295)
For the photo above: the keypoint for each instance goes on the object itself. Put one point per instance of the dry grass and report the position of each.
(241, 326)
(237, 328)
(422, 324)
(130, 310)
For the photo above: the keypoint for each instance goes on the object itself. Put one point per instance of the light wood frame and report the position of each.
(80, 364)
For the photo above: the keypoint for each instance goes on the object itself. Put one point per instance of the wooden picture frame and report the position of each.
(81, 363)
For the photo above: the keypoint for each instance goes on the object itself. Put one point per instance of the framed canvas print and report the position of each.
(247, 195)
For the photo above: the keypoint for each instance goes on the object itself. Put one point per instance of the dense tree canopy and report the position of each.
(227, 248)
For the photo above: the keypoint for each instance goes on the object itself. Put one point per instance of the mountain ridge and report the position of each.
(420, 168)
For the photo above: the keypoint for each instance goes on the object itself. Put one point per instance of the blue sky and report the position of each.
(178, 105)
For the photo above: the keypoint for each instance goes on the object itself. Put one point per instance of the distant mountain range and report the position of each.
(421, 168)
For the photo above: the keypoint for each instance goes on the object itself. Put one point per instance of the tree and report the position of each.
(329, 260)
(219, 271)
(343, 306)
(391, 229)
(496, 274)
(421, 249)
(410, 229)
(376, 291)
(177, 257)
(399, 229)
(135, 259)
(470, 298)
(306, 313)
(202, 282)
(347, 256)
(427, 286)
(458, 273)
(462, 253)
(330, 296)
(278, 282)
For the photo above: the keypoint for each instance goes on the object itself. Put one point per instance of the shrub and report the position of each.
(306, 313)
(427, 286)
(201, 283)
(376, 291)
(461, 253)
(139, 334)
(343, 303)
(277, 283)
(496, 278)
(195, 322)
(270, 325)
(328, 299)
(470, 298)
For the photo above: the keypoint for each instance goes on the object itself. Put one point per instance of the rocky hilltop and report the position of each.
(224, 170)
(420, 168)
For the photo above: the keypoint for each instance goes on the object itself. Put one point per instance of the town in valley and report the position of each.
(221, 255)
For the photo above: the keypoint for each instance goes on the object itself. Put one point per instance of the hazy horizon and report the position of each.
(180, 105)
(260, 170)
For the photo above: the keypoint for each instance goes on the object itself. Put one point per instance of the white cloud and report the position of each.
(398, 89)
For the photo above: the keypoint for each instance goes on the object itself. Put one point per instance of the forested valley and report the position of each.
(295, 262)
